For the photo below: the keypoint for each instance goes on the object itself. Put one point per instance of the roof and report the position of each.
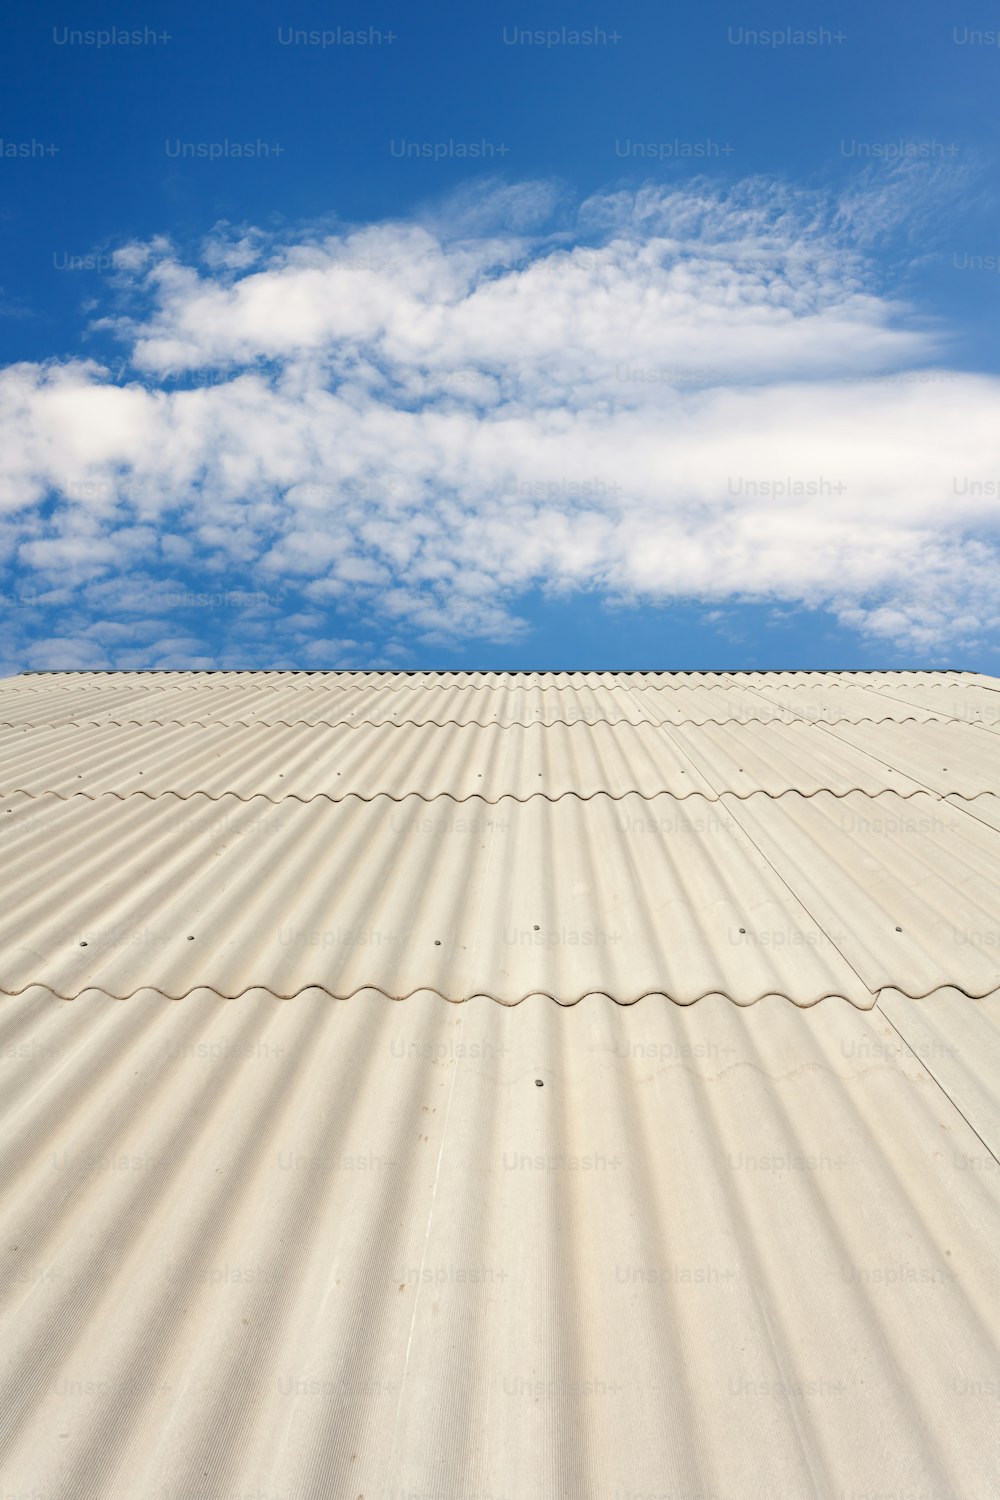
(625, 1244)
(802, 835)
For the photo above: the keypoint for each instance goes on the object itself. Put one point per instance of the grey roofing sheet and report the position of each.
(518, 760)
(316, 698)
(958, 1043)
(324, 1249)
(488, 1251)
(910, 887)
(505, 899)
(840, 701)
(804, 757)
(504, 858)
(945, 756)
(342, 760)
(341, 743)
(986, 807)
(973, 702)
(242, 700)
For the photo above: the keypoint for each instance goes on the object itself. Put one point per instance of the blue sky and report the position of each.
(505, 337)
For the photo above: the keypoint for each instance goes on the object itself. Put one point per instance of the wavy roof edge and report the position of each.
(370, 992)
(487, 671)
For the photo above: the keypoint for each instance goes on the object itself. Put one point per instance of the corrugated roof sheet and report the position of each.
(357, 698)
(340, 760)
(493, 761)
(324, 1249)
(803, 897)
(239, 831)
(593, 1248)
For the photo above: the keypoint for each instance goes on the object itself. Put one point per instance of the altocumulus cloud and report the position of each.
(695, 394)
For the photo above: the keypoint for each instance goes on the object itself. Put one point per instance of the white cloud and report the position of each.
(66, 654)
(231, 249)
(680, 395)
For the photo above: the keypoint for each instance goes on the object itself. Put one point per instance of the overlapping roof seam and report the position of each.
(797, 896)
(740, 796)
(446, 672)
(924, 1063)
(778, 868)
(881, 765)
(316, 988)
(394, 723)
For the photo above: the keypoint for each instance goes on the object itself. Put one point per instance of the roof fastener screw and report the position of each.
(537, 928)
(190, 937)
(83, 945)
(539, 1084)
(743, 929)
(899, 929)
(437, 942)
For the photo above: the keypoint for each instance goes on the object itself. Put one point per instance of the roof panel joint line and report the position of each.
(795, 895)
(932, 791)
(720, 802)
(898, 698)
(933, 1076)
(961, 806)
(797, 718)
(635, 696)
(664, 728)
(699, 770)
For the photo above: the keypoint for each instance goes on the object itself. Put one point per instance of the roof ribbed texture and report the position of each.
(580, 1084)
(802, 835)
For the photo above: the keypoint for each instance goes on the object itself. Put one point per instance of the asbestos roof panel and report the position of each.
(63, 693)
(291, 702)
(316, 698)
(971, 702)
(841, 701)
(957, 1040)
(235, 853)
(745, 897)
(943, 756)
(353, 1249)
(899, 884)
(856, 679)
(794, 756)
(45, 681)
(344, 760)
(479, 1251)
(492, 761)
(985, 807)
(563, 898)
